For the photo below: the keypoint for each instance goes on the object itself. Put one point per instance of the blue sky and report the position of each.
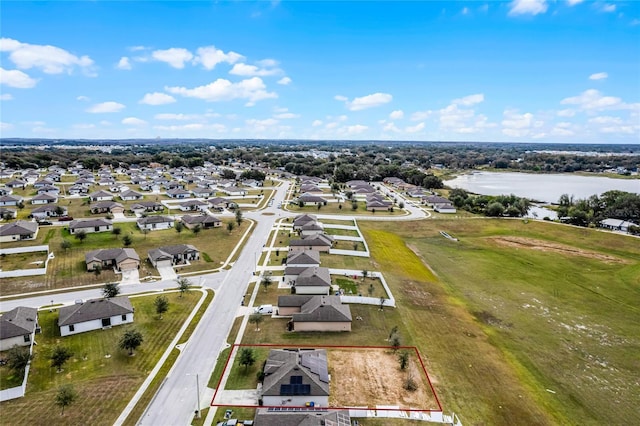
(522, 71)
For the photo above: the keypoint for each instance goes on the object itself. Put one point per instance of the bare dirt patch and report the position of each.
(532, 244)
(369, 377)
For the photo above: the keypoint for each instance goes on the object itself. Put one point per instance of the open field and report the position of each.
(69, 269)
(371, 287)
(104, 376)
(12, 262)
(347, 210)
(345, 232)
(519, 322)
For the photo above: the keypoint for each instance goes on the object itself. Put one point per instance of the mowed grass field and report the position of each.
(103, 375)
(519, 322)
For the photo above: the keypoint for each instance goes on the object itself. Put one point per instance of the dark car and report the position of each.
(64, 218)
(45, 222)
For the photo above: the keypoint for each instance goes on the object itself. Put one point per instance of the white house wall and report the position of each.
(6, 344)
(94, 325)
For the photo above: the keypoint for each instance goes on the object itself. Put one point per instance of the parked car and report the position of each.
(264, 309)
(65, 218)
(45, 222)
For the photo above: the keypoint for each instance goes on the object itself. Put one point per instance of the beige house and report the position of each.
(319, 242)
(122, 259)
(18, 231)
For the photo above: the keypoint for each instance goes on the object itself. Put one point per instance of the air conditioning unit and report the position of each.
(108, 327)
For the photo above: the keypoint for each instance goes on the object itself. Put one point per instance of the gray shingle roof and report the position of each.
(94, 309)
(265, 417)
(313, 240)
(303, 258)
(21, 227)
(117, 254)
(167, 252)
(89, 223)
(314, 276)
(18, 322)
(153, 219)
(323, 309)
(284, 363)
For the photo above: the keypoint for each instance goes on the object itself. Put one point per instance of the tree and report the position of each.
(59, 211)
(65, 396)
(401, 204)
(110, 290)
(97, 269)
(196, 229)
(239, 218)
(364, 273)
(370, 290)
(266, 281)
(65, 245)
(80, 236)
(116, 231)
(131, 340)
(179, 227)
(354, 205)
(256, 319)
(247, 357)
(403, 360)
(230, 226)
(495, 209)
(162, 305)
(18, 358)
(127, 240)
(394, 331)
(59, 357)
(183, 285)
(395, 342)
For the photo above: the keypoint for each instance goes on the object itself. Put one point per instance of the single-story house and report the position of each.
(312, 199)
(146, 206)
(219, 203)
(234, 190)
(173, 255)
(310, 188)
(6, 213)
(192, 205)
(375, 204)
(431, 200)
(17, 327)
(178, 193)
(315, 313)
(314, 280)
(107, 207)
(77, 190)
(269, 417)
(318, 242)
(202, 192)
(299, 261)
(303, 219)
(101, 196)
(16, 183)
(123, 259)
(154, 223)
(50, 210)
(131, 196)
(90, 225)
(42, 183)
(44, 199)
(311, 228)
(10, 200)
(18, 231)
(294, 377)
(204, 220)
(444, 208)
(95, 314)
(617, 224)
(49, 189)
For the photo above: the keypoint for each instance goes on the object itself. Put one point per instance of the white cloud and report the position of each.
(210, 56)
(593, 100)
(6, 97)
(252, 89)
(316, 123)
(175, 56)
(268, 63)
(105, 107)
(157, 98)
(17, 79)
(286, 115)
(252, 70)
(5, 126)
(50, 59)
(517, 125)
(598, 76)
(83, 126)
(123, 64)
(105, 123)
(415, 129)
(566, 113)
(574, 2)
(390, 127)
(396, 115)
(469, 100)
(609, 8)
(527, 7)
(284, 81)
(421, 115)
(356, 129)
(605, 119)
(364, 102)
(176, 117)
(83, 98)
(133, 121)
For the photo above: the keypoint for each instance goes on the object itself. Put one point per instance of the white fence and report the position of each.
(349, 252)
(26, 272)
(390, 301)
(18, 391)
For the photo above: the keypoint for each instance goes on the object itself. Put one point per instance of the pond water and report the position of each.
(541, 187)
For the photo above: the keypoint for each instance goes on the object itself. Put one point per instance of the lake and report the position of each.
(540, 187)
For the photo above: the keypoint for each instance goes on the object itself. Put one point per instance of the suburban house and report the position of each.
(303, 219)
(44, 199)
(101, 196)
(178, 193)
(42, 183)
(179, 254)
(107, 207)
(296, 378)
(95, 314)
(192, 205)
(319, 242)
(154, 223)
(49, 189)
(431, 200)
(16, 183)
(314, 280)
(18, 231)
(202, 192)
(234, 190)
(444, 208)
(131, 196)
(617, 224)
(298, 262)
(89, 226)
(204, 220)
(315, 417)
(308, 198)
(146, 206)
(10, 200)
(311, 228)
(6, 213)
(17, 327)
(77, 190)
(309, 187)
(122, 259)
(315, 313)
(219, 203)
(50, 210)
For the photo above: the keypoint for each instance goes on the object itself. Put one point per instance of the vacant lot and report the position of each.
(104, 376)
(519, 322)
(14, 261)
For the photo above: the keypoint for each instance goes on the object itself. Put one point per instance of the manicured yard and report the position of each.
(348, 245)
(348, 262)
(104, 376)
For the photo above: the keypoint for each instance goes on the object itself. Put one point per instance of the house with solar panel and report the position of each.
(296, 378)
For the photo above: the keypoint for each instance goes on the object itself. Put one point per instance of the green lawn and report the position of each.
(359, 286)
(347, 210)
(104, 376)
(342, 232)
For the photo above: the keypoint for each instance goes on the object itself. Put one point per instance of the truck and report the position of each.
(264, 309)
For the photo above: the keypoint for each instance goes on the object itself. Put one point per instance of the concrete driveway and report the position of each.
(131, 276)
(167, 273)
